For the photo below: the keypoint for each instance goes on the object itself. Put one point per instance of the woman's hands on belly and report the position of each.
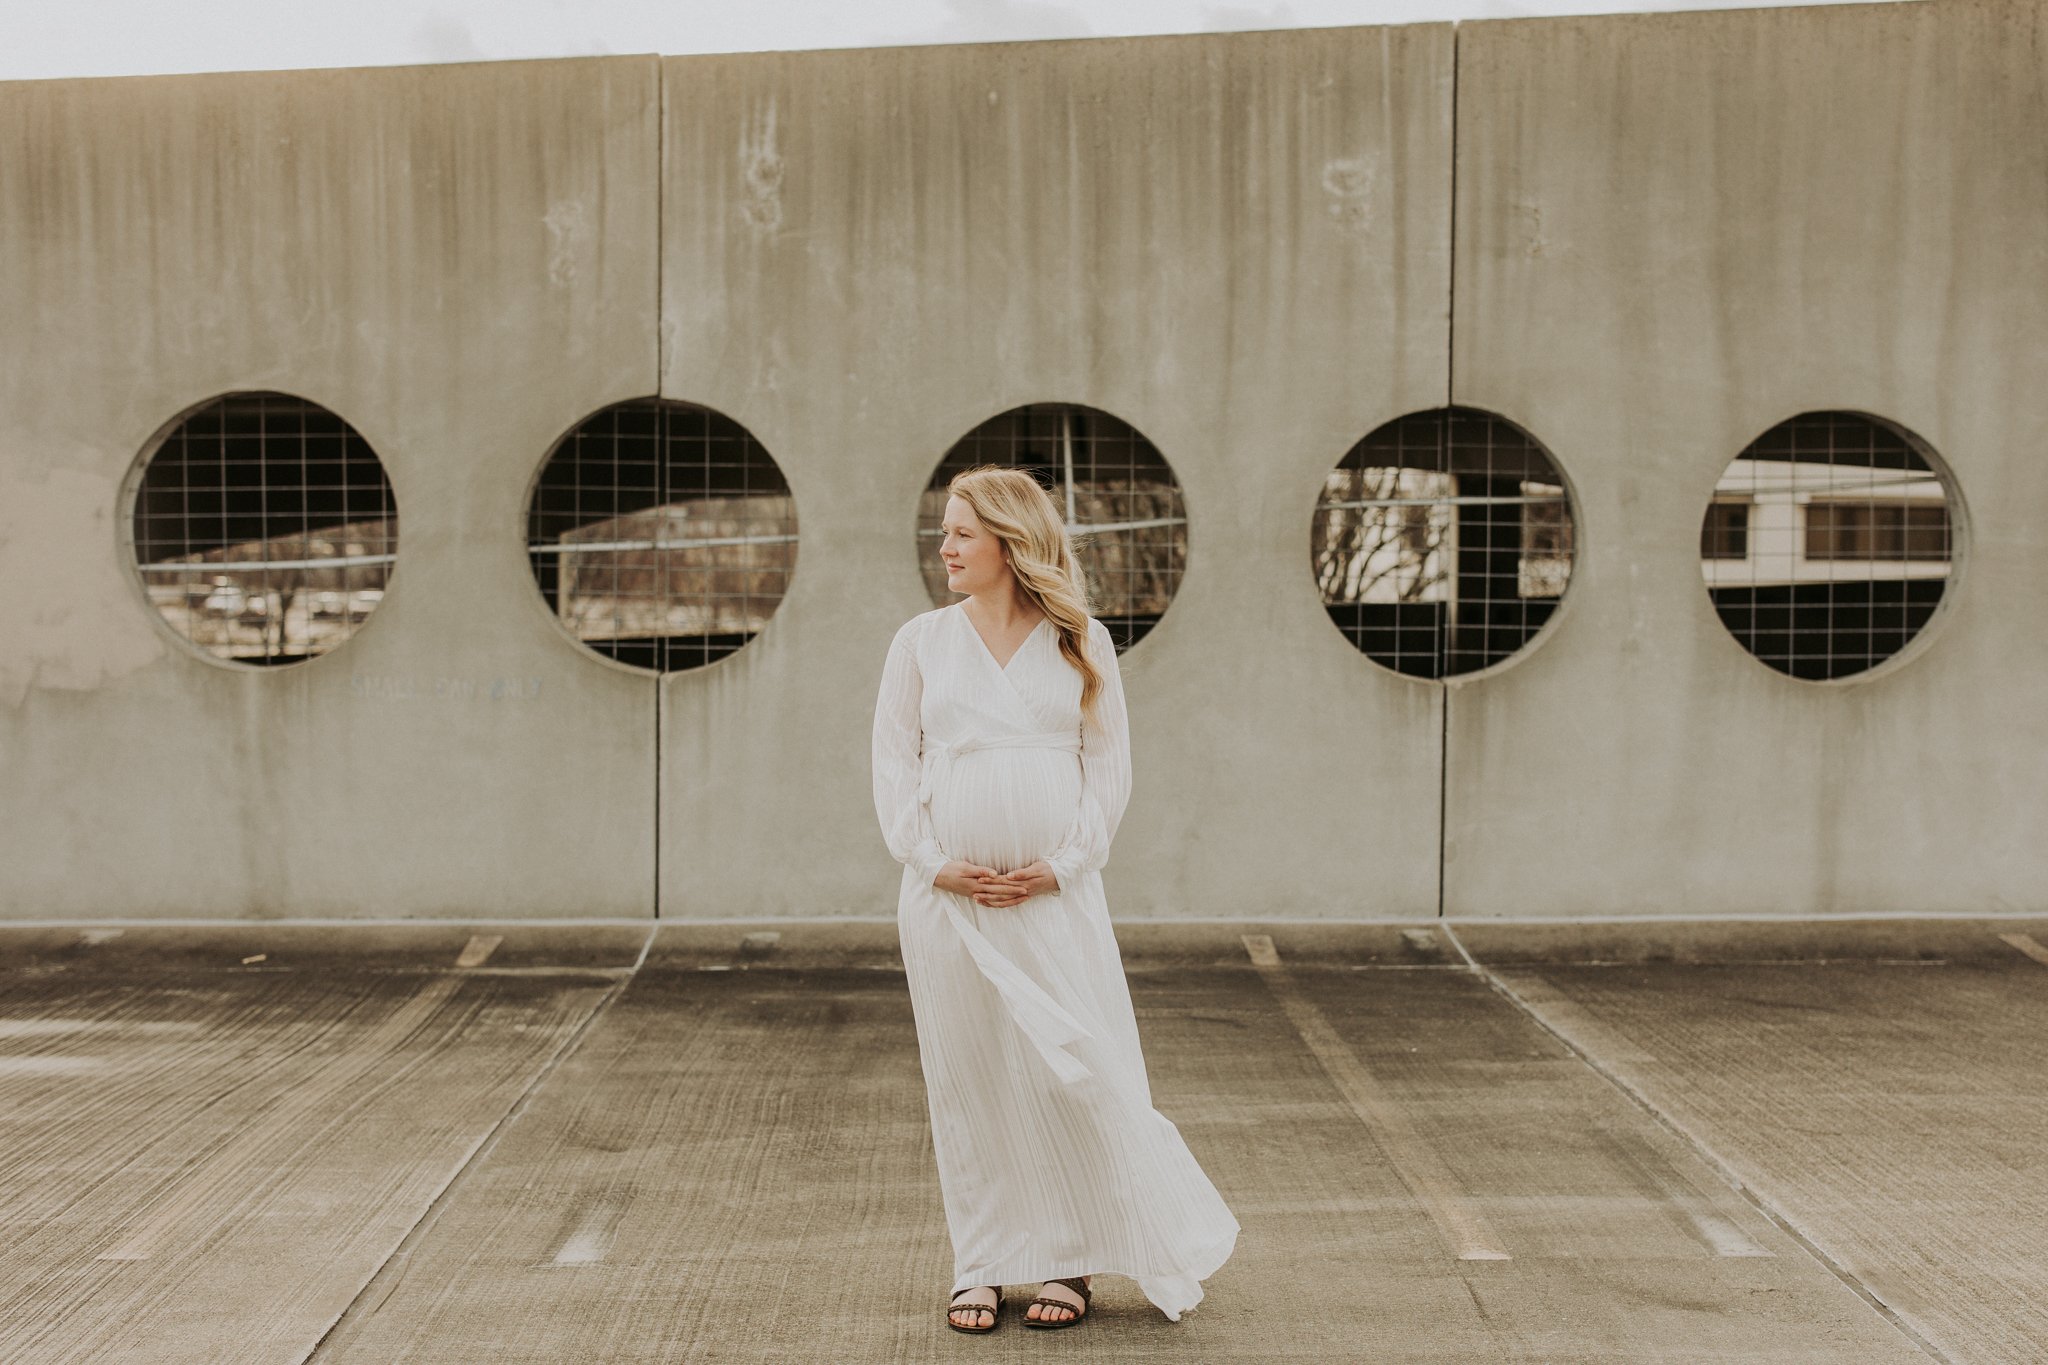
(997, 890)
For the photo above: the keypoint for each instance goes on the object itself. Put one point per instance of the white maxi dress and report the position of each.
(1052, 1161)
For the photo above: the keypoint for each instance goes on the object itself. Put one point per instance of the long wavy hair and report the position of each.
(1020, 514)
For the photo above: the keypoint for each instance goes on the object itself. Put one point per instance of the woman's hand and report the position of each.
(966, 879)
(1005, 889)
(997, 890)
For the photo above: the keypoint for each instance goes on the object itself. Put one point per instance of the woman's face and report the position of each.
(974, 559)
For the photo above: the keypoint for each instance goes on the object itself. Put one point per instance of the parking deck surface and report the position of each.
(1755, 1141)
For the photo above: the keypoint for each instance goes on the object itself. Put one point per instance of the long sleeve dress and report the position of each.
(1052, 1161)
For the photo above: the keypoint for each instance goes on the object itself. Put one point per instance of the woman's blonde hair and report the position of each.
(1019, 513)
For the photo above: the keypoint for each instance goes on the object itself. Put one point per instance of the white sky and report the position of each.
(44, 38)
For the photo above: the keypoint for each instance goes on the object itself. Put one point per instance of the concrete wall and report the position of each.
(1670, 234)
(1240, 245)
(1673, 233)
(461, 262)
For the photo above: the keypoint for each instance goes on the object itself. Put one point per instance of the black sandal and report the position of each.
(994, 1310)
(1079, 1285)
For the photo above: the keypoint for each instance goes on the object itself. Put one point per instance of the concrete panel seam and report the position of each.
(1446, 692)
(1713, 1160)
(384, 1277)
(660, 377)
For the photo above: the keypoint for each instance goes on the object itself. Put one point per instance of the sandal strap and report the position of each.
(1078, 1285)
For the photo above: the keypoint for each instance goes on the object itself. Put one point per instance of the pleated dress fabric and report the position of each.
(1052, 1160)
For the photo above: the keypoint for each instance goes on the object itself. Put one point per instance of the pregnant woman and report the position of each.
(1001, 769)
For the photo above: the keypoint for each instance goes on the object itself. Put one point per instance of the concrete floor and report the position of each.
(1639, 1142)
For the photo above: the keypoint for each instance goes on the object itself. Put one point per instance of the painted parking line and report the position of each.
(1584, 1032)
(1723, 1236)
(51, 1066)
(478, 950)
(60, 1028)
(595, 1232)
(1463, 1230)
(2027, 944)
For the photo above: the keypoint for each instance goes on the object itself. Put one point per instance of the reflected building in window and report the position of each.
(661, 534)
(1442, 542)
(263, 528)
(1828, 544)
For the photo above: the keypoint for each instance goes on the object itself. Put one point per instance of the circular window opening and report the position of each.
(1122, 505)
(1828, 544)
(661, 534)
(1442, 542)
(263, 529)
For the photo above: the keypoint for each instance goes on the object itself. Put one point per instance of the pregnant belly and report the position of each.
(1005, 808)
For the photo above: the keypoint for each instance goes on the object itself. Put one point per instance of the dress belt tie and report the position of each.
(1042, 1019)
(938, 752)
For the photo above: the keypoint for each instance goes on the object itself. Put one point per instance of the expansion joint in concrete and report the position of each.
(1713, 1160)
(391, 1270)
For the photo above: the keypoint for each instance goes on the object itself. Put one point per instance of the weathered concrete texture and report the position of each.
(1239, 244)
(1671, 232)
(727, 1156)
(203, 1160)
(460, 261)
(1674, 232)
(1892, 1113)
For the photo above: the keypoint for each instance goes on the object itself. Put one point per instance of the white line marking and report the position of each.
(2026, 944)
(1565, 1016)
(50, 1066)
(54, 1027)
(1723, 1236)
(1714, 1161)
(479, 949)
(587, 1247)
(593, 1237)
(1431, 1183)
(381, 1283)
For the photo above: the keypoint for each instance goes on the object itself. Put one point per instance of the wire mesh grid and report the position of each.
(1844, 549)
(1122, 505)
(662, 535)
(264, 529)
(1442, 542)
